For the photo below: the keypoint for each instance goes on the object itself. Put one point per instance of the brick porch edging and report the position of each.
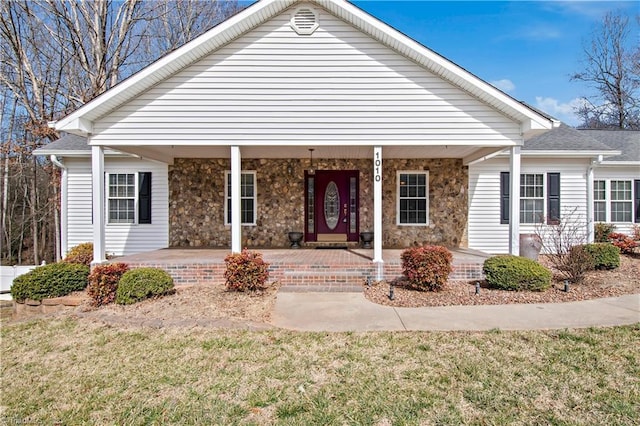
(342, 277)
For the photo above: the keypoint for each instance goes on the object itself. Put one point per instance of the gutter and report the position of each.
(62, 244)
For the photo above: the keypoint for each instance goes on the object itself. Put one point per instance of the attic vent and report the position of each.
(304, 21)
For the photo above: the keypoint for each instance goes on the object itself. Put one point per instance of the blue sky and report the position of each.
(529, 49)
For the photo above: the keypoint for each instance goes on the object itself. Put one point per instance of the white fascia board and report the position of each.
(568, 153)
(619, 164)
(168, 65)
(279, 142)
(79, 154)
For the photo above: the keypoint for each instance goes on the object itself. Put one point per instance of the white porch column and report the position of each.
(514, 208)
(590, 212)
(236, 205)
(377, 211)
(98, 190)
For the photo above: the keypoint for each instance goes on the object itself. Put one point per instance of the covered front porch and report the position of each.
(298, 269)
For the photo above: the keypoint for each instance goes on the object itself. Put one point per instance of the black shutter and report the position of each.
(504, 197)
(636, 200)
(144, 197)
(553, 198)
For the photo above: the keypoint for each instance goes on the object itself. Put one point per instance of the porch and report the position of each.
(298, 270)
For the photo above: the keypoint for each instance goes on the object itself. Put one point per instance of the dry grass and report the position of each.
(70, 371)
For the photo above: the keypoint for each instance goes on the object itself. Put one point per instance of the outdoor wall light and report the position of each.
(311, 170)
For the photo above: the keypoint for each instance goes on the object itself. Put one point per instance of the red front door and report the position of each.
(332, 204)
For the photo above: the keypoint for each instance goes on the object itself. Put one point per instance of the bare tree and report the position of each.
(612, 67)
(57, 55)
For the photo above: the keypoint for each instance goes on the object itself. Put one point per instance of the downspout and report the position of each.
(590, 211)
(61, 242)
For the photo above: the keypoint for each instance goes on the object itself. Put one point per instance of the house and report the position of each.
(592, 175)
(308, 116)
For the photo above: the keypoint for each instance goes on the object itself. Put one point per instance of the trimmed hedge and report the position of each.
(53, 280)
(605, 255)
(143, 283)
(427, 267)
(508, 272)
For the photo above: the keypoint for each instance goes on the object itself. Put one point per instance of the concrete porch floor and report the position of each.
(297, 269)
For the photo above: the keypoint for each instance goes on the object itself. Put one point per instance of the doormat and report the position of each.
(332, 248)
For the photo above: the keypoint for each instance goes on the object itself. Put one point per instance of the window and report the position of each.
(600, 201)
(531, 198)
(613, 201)
(125, 191)
(248, 198)
(413, 198)
(122, 199)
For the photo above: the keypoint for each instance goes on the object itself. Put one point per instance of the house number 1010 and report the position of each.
(377, 168)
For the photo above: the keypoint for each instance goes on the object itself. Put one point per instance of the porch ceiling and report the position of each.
(168, 153)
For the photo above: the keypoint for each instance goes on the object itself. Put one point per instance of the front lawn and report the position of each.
(70, 371)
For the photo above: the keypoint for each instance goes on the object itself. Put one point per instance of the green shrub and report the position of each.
(53, 280)
(604, 255)
(143, 283)
(602, 231)
(81, 254)
(509, 272)
(246, 271)
(624, 242)
(103, 282)
(427, 267)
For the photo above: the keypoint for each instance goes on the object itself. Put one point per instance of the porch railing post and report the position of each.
(236, 205)
(98, 189)
(377, 211)
(514, 208)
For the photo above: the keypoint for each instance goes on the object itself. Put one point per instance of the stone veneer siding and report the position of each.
(196, 201)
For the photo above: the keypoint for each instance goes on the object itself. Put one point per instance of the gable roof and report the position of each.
(81, 121)
(625, 141)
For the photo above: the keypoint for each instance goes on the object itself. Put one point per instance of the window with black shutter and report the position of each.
(636, 200)
(504, 197)
(553, 198)
(144, 197)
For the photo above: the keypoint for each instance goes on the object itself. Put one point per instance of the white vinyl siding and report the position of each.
(485, 232)
(121, 238)
(335, 86)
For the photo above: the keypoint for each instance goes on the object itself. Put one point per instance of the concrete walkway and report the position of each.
(353, 312)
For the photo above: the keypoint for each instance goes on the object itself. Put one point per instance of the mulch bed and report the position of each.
(597, 284)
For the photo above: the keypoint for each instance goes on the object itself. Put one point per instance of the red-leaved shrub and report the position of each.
(246, 271)
(427, 267)
(624, 242)
(103, 283)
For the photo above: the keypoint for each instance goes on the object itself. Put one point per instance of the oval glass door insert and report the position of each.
(331, 205)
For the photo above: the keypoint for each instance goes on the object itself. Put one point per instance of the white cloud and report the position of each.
(505, 85)
(562, 111)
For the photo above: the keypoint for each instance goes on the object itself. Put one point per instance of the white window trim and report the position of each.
(398, 173)
(136, 193)
(227, 176)
(607, 199)
(544, 198)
